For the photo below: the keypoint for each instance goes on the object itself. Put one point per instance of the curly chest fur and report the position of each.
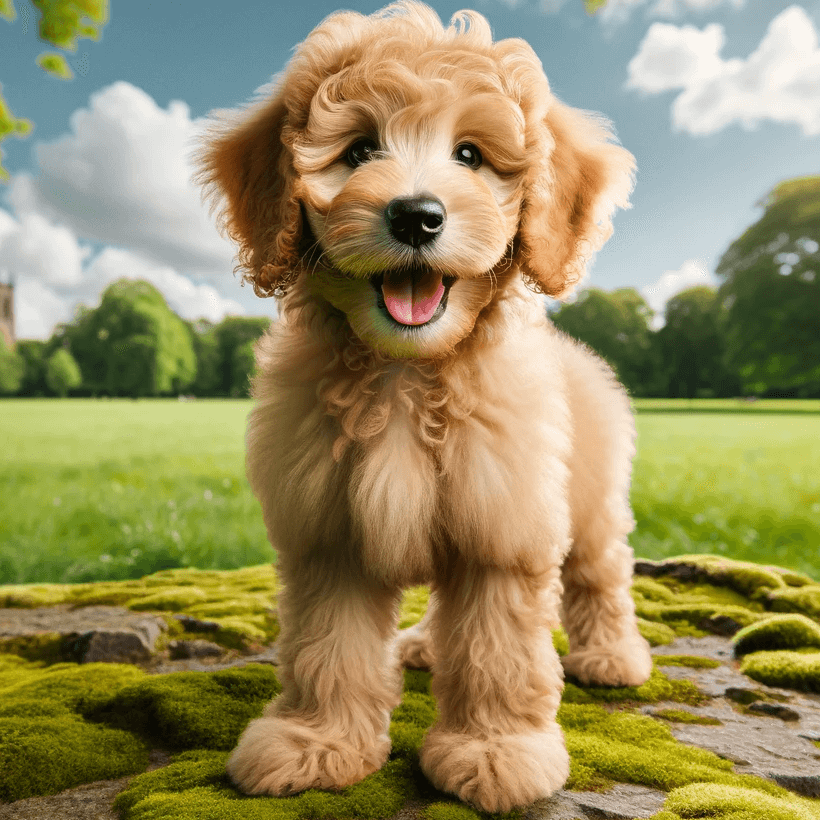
(408, 460)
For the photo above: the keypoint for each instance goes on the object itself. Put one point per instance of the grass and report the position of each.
(116, 489)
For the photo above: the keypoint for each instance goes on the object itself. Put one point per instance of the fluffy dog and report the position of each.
(408, 190)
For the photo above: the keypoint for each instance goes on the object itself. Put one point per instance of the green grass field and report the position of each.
(115, 489)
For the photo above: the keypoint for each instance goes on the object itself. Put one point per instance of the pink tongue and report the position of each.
(412, 299)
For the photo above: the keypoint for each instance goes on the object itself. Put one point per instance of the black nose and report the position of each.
(415, 220)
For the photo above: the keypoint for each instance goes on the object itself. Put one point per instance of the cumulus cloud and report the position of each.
(619, 11)
(34, 247)
(122, 177)
(187, 299)
(779, 81)
(38, 308)
(691, 273)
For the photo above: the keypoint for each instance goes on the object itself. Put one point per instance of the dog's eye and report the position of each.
(360, 152)
(468, 154)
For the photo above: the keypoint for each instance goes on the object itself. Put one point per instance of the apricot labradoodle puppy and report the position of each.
(409, 191)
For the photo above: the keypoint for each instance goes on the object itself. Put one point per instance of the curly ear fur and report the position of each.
(576, 180)
(246, 168)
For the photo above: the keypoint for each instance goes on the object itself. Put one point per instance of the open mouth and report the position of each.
(412, 297)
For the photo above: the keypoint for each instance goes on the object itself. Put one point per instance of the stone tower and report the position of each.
(7, 314)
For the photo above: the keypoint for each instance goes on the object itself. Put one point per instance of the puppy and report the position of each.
(408, 191)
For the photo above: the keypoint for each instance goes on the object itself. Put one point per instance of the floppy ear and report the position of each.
(576, 180)
(246, 171)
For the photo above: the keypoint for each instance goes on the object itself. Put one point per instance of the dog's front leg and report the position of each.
(498, 682)
(340, 679)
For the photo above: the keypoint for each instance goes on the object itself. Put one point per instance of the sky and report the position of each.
(719, 100)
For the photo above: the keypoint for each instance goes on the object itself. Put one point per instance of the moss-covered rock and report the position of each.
(725, 802)
(656, 689)
(190, 710)
(692, 661)
(805, 599)
(682, 716)
(777, 632)
(792, 670)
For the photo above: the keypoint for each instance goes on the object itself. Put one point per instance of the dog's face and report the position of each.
(405, 171)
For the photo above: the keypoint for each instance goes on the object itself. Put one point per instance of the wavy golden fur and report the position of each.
(470, 446)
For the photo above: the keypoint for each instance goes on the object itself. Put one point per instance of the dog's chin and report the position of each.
(406, 314)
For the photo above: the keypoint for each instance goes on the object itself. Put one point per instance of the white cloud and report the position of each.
(690, 274)
(38, 308)
(122, 176)
(619, 11)
(779, 81)
(36, 248)
(187, 299)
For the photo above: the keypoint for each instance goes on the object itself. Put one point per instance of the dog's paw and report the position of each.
(280, 757)
(625, 663)
(499, 773)
(414, 649)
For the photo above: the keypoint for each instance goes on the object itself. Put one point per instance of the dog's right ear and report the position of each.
(247, 173)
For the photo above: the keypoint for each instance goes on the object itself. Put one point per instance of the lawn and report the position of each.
(116, 489)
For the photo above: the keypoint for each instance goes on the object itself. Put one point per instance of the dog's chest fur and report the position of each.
(401, 461)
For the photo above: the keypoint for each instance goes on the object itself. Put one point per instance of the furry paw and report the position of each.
(500, 773)
(413, 648)
(626, 663)
(279, 756)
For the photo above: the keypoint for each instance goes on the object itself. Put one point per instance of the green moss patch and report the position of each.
(692, 661)
(804, 599)
(791, 670)
(733, 803)
(656, 689)
(190, 710)
(682, 716)
(777, 632)
(46, 754)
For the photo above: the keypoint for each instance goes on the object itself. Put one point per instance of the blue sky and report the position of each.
(719, 100)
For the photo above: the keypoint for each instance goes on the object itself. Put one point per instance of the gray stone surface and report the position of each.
(622, 802)
(771, 741)
(92, 633)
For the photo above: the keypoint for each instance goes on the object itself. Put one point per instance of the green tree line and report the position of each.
(134, 345)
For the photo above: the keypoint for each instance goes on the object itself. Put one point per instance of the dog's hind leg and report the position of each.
(599, 613)
(340, 680)
(414, 645)
(498, 684)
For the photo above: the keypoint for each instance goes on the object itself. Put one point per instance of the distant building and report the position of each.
(7, 314)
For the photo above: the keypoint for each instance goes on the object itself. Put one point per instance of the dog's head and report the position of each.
(404, 171)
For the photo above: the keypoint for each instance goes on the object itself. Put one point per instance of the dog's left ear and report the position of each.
(247, 171)
(578, 178)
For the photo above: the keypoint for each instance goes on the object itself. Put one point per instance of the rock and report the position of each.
(621, 802)
(107, 634)
(720, 625)
(779, 751)
(191, 624)
(195, 649)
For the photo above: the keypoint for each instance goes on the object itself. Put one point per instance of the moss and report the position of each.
(173, 599)
(68, 684)
(733, 803)
(237, 604)
(46, 754)
(195, 787)
(584, 778)
(177, 711)
(450, 811)
(48, 647)
(692, 661)
(413, 606)
(777, 632)
(804, 599)
(560, 640)
(791, 670)
(656, 689)
(31, 595)
(695, 613)
(750, 580)
(656, 633)
(681, 716)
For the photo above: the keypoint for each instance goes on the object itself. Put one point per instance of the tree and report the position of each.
(692, 344)
(206, 349)
(771, 290)
(34, 354)
(11, 369)
(232, 333)
(61, 23)
(616, 326)
(243, 367)
(62, 373)
(132, 344)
